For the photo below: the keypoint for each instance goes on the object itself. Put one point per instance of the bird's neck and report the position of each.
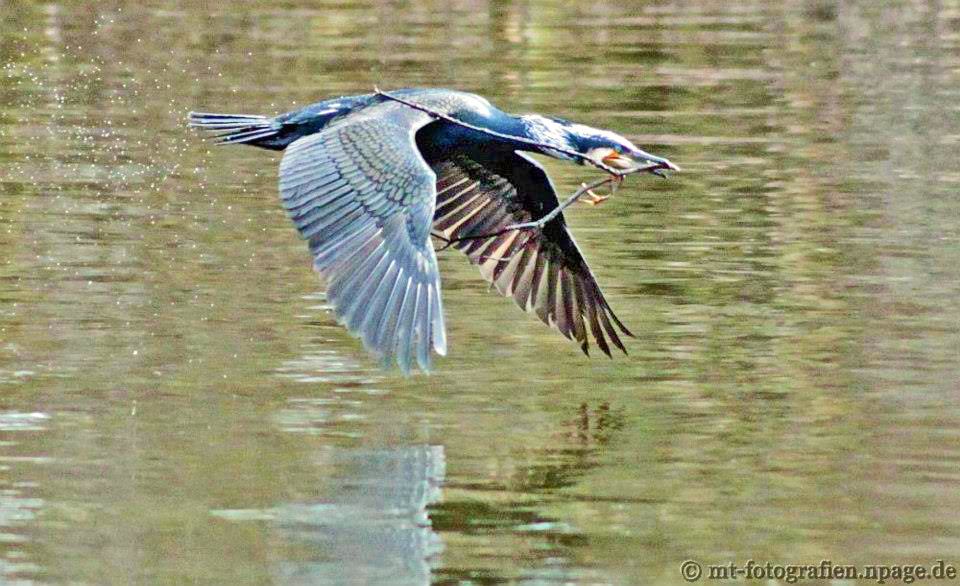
(548, 133)
(534, 133)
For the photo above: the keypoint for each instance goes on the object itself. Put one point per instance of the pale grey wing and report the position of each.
(363, 197)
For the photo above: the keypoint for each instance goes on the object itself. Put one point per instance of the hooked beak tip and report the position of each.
(661, 166)
(667, 164)
(660, 162)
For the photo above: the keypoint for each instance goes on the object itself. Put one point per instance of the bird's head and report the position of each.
(585, 144)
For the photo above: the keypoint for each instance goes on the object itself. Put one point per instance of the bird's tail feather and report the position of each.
(234, 128)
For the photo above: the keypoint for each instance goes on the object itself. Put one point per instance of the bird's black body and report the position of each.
(366, 179)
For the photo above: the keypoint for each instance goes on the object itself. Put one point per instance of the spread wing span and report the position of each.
(542, 269)
(362, 196)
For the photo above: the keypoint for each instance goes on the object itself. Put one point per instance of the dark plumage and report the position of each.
(366, 179)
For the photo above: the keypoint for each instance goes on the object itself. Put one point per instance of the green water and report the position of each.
(177, 405)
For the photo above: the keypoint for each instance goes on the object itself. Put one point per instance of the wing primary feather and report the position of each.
(575, 310)
(542, 301)
(378, 302)
(522, 282)
(617, 321)
(330, 223)
(422, 327)
(611, 332)
(590, 310)
(326, 253)
(403, 335)
(508, 256)
(551, 294)
(536, 279)
(353, 241)
(465, 219)
(491, 247)
(487, 258)
(388, 326)
(353, 269)
(498, 255)
(438, 331)
(358, 301)
(482, 225)
(562, 306)
(449, 203)
(358, 310)
(337, 255)
(445, 186)
(504, 282)
(461, 214)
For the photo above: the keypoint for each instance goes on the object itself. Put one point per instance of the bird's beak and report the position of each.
(618, 161)
(642, 158)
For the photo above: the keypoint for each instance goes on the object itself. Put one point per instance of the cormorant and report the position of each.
(366, 179)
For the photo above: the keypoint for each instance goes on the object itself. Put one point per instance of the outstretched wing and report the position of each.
(363, 197)
(542, 269)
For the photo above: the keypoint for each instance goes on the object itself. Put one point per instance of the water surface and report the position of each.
(178, 406)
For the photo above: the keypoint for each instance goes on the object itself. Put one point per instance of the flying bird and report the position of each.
(368, 179)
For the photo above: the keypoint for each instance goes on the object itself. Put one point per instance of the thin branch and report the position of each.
(447, 243)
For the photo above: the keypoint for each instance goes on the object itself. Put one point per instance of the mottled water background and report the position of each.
(177, 406)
